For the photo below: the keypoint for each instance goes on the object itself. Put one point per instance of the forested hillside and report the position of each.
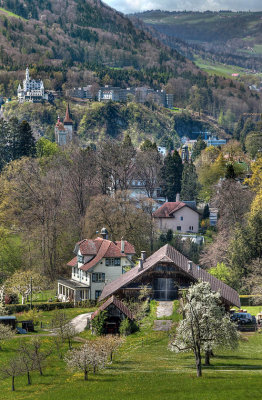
(80, 31)
(94, 121)
(228, 37)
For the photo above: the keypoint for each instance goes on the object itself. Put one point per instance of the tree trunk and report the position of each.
(207, 357)
(28, 378)
(86, 375)
(13, 383)
(111, 356)
(40, 370)
(198, 363)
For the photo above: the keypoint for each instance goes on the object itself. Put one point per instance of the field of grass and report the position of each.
(218, 69)
(144, 369)
(10, 14)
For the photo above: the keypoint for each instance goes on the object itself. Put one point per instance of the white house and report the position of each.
(33, 90)
(178, 216)
(96, 263)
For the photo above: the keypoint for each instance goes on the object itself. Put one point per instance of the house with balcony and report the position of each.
(97, 262)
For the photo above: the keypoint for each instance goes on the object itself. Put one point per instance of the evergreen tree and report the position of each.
(171, 176)
(206, 212)
(230, 171)
(189, 182)
(26, 142)
(148, 145)
(248, 127)
(238, 128)
(198, 147)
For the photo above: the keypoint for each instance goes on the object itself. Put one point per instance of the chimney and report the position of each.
(140, 265)
(189, 265)
(178, 197)
(104, 233)
(143, 255)
(122, 245)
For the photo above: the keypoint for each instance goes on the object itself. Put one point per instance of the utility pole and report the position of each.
(31, 294)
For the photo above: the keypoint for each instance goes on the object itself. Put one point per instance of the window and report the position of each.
(98, 277)
(97, 294)
(110, 262)
(178, 228)
(181, 218)
(80, 259)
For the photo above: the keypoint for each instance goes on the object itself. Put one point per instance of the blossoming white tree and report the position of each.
(205, 327)
(88, 357)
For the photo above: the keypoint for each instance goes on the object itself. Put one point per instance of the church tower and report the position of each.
(64, 131)
(68, 124)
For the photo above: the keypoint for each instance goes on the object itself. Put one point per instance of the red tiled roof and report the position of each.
(168, 209)
(89, 247)
(100, 248)
(117, 303)
(73, 262)
(167, 253)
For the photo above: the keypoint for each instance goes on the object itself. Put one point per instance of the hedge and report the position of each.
(16, 308)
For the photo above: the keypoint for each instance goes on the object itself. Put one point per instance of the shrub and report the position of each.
(127, 327)
(98, 323)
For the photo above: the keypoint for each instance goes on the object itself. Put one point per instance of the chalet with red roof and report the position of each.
(97, 262)
(178, 216)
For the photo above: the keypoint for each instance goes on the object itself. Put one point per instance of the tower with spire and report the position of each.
(64, 130)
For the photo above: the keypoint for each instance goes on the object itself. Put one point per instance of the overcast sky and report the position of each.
(130, 6)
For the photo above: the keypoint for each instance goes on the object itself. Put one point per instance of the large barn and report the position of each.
(167, 272)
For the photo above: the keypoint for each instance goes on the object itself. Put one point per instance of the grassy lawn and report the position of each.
(144, 369)
(217, 68)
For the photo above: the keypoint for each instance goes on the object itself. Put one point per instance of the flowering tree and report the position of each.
(111, 343)
(205, 327)
(88, 357)
(5, 333)
(20, 283)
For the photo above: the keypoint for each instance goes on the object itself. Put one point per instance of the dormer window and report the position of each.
(80, 258)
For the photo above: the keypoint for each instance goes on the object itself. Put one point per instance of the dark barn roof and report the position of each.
(117, 303)
(168, 254)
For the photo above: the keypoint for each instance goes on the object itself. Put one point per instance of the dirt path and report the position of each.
(164, 309)
(80, 322)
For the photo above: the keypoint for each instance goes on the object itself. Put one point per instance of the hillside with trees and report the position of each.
(228, 37)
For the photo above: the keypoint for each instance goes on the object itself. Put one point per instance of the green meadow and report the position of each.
(144, 369)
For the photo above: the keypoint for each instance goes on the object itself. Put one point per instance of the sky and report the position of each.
(131, 6)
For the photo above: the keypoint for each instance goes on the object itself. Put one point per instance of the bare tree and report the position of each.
(65, 331)
(38, 355)
(27, 362)
(148, 168)
(11, 370)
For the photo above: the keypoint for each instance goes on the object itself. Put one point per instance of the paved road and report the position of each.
(80, 322)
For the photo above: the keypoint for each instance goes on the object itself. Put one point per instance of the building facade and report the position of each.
(167, 274)
(96, 263)
(177, 216)
(33, 90)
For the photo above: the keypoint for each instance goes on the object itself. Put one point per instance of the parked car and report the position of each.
(242, 318)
